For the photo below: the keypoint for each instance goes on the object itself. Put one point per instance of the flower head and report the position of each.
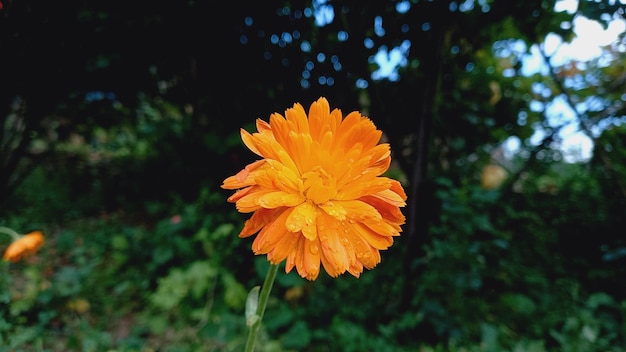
(317, 194)
(23, 247)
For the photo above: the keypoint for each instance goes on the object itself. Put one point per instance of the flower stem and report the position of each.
(10, 232)
(263, 298)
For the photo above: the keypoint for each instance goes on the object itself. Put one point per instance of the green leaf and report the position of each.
(235, 293)
(252, 303)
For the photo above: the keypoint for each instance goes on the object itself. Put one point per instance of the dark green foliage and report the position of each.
(526, 270)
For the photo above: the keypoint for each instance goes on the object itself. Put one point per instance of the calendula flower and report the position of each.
(24, 246)
(317, 194)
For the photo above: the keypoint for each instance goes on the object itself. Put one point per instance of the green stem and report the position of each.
(10, 232)
(263, 298)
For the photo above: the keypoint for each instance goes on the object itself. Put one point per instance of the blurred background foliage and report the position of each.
(119, 122)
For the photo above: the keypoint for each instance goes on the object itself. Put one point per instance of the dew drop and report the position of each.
(314, 249)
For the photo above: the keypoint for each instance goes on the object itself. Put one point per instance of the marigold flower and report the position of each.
(23, 247)
(318, 196)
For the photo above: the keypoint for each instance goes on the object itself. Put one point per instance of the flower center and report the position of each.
(319, 185)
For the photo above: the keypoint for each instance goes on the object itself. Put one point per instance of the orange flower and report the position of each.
(24, 246)
(318, 194)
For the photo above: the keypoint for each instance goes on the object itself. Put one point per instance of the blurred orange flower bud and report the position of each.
(23, 247)
(492, 177)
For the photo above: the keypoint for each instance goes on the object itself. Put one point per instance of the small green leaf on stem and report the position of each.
(252, 304)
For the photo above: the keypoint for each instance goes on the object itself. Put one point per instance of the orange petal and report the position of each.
(280, 128)
(391, 197)
(361, 186)
(281, 176)
(277, 199)
(263, 126)
(387, 210)
(294, 255)
(259, 219)
(376, 240)
(359, 210)
(297, 117)
(249, 141)
(397, 188)
(271, 233)
(240, 194)
(301, 147)
(284, 246)
(335, 209)
(380, 159)
(367, 255)
(310, 268)
(244, 177)
(334, 256)
(249, 201)
(381, 228)
(319, 119)
(356, 269)
(302, 218)
(357, 129)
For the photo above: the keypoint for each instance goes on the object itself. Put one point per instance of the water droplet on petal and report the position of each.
(314, 249)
